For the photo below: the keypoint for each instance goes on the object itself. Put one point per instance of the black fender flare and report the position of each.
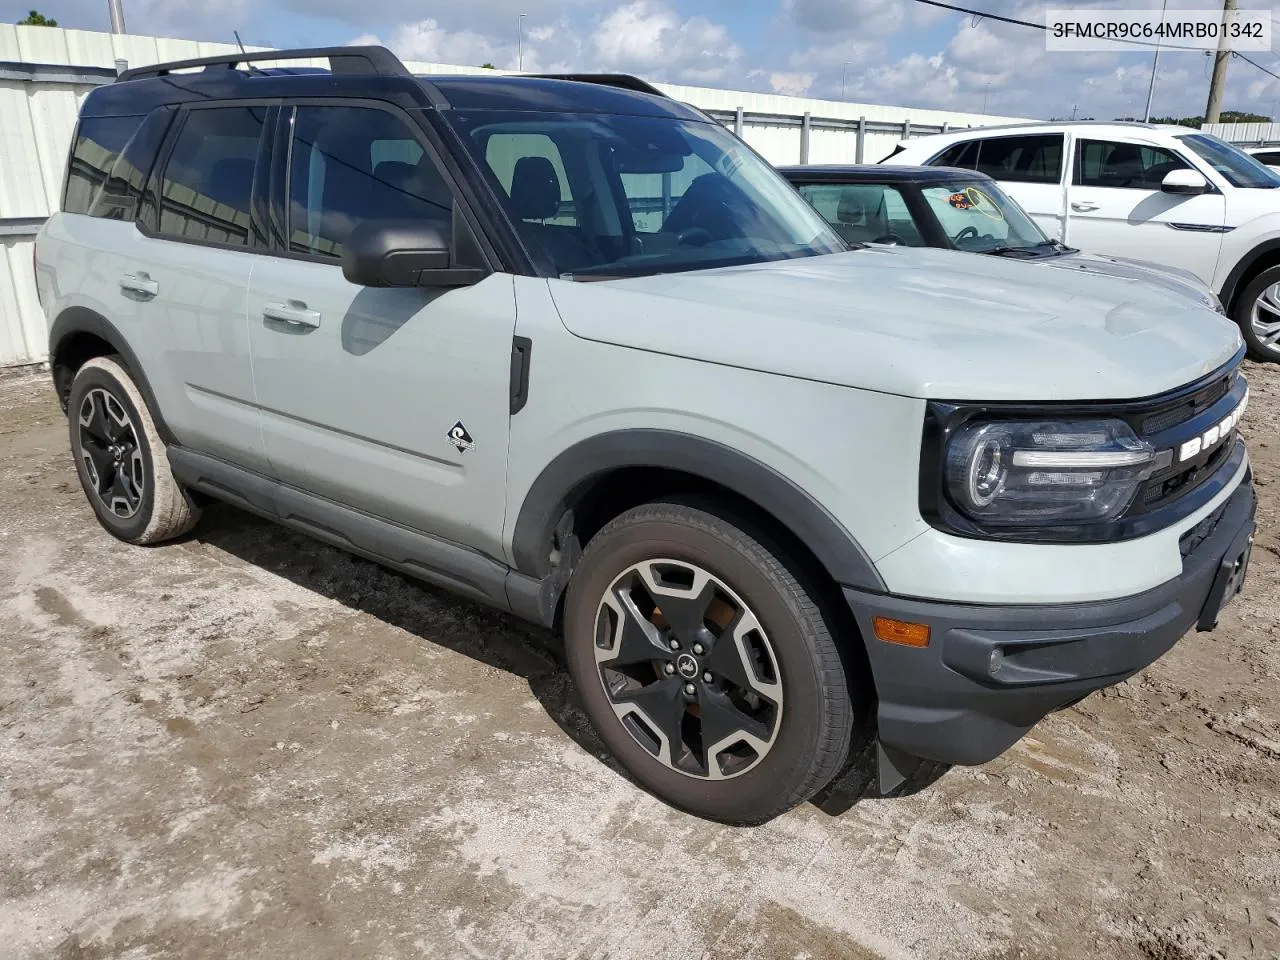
(576, 467)
(1231, 286)
(77, 320)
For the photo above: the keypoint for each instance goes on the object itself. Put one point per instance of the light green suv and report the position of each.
(567, 347)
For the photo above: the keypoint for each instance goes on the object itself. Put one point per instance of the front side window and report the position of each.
(1126, 166)
(1237, 167)
(865, 212)
(1271, 157)
(351, 164)
(1029, 159)
(98, 144)
(208, 179)
(595, 196)
(979, 217)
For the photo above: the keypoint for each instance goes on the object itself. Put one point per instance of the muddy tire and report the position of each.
(706, 666)
(121, 460)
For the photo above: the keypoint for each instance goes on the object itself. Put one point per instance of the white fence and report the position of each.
(45, 72)
(1246, 134)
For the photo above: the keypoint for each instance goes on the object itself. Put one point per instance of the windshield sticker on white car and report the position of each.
(971, 198)
(459, 437)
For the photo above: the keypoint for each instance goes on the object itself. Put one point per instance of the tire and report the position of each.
(767, 663)
(120, 459)
(1258, 314)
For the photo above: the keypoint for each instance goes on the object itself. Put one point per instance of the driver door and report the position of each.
(1116, 207)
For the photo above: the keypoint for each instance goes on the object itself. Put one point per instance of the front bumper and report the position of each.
(991, 672)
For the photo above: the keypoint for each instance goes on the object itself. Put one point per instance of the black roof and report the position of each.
(376, 73)
(876, 173)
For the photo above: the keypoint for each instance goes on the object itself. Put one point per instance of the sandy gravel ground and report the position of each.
(246, 744)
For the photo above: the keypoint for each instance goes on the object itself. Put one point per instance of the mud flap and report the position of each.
(894, 767)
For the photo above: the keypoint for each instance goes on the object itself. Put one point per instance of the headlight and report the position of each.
(1044, 473)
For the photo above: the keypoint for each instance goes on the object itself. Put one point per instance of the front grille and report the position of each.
(1187, 407)
(1181, 419)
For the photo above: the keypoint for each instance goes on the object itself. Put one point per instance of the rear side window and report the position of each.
(208, 179)
(963, 154)
(98, 144)
(1271, 158)
(352, 164)
(120, 196)
(1033, 159)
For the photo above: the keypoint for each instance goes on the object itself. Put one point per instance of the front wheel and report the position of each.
(1258, 314)
(705, 665)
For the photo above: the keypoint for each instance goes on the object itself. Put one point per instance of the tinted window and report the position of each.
(963, 154)
(864, 212)
(1126, 166)
(120, 196)
(97, 145)
(1270, 158)
(208, 179)
(1035, 159)
(352, 164)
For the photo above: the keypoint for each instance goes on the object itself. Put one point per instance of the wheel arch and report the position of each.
(1259, 258)
(569, 481)
(79, 334)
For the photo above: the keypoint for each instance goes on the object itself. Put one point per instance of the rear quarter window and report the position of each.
(95, 149)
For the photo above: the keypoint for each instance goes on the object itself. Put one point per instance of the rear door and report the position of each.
(187, 276)
(1117, 207)
(1032, 170)
(394, 401)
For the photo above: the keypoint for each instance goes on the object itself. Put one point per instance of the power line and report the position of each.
(1254, 63)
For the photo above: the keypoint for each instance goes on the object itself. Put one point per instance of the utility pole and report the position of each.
(844, 75)
(116, 8)
(520, 42)
(1155, 65)
(1217, 86)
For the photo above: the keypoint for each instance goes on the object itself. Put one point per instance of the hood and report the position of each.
(1140, 271)
(915, 322)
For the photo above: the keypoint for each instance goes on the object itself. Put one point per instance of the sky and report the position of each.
(897, 52)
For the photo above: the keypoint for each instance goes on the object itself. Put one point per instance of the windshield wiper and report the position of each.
(1056, 245)
(1006, 251)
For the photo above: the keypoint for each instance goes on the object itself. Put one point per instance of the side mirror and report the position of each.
(1187, 183)
(403, 253)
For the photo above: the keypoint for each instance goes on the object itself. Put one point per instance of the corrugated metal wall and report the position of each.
(1248, 134)
(46, 71)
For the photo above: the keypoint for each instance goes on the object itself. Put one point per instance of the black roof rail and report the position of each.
(350, 60)
(623, 80)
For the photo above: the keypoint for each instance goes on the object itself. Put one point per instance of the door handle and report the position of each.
(1084, 206)
(294, 313)
(139, 283)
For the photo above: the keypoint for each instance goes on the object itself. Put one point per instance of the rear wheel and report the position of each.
(121, 461)
(1258, 314)
(706, 666)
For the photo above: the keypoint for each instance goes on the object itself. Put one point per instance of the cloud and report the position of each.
(791, 84)
(648, 37)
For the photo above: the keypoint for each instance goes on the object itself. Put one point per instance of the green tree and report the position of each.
(487, 66)
(37, 19)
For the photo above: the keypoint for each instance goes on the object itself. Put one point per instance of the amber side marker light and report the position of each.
(900, 631)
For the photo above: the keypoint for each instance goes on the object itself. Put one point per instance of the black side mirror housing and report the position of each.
(404, 253)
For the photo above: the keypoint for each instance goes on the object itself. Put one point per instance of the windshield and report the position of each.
(1239, 169)
(597, 196)
(980, 217)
